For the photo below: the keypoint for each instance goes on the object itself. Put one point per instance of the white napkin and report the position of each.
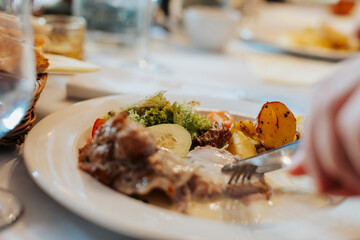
(110, 81)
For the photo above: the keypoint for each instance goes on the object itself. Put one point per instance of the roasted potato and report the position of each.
(241, 145)
(276, 125)
(249, 129)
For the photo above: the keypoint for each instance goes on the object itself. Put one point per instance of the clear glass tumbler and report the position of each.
(66, 34)
(17, 81)
(114, 22)
(126, 23)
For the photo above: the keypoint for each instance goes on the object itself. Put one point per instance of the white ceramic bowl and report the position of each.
(210, 27)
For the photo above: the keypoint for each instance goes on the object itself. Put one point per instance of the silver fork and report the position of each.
(264, 162)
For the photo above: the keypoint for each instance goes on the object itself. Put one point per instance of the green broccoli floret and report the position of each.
(152, 116)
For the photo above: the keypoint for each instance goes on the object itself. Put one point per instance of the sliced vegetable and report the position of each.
(276, 125)
(172, 137)
(223, 117)
(98, 122)
(241, 145)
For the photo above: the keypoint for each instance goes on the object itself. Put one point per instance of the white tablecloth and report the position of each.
(239, 72)
(42, 217)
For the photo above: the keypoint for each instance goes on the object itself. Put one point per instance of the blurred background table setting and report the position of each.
(173, 51)
(252, 50)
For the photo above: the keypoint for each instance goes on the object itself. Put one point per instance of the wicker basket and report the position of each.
(17, 135)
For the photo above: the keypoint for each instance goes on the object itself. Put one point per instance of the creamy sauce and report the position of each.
(289, 201)
(283, 206)
(209, 161)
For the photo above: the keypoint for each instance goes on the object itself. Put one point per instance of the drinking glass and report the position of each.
(17, 81)
(66, 34)
(144, 62)
(126, 23)
(249, 22)
(144, 22)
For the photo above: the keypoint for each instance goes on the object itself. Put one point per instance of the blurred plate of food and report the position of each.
(306, 30)
(320, 42)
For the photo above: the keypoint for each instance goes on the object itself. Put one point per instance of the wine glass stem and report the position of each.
(10, 208)
(145, 29)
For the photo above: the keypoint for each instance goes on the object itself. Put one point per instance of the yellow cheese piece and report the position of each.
(65, 65)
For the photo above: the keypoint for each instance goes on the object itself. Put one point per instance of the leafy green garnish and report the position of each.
(156, 109)
(156, 100)
(185, 115)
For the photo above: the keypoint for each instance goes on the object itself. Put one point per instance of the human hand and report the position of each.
(331, 149)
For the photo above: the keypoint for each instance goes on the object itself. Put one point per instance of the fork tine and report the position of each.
(245, 171)
(238, 173)
(232, 176)
(252, 171)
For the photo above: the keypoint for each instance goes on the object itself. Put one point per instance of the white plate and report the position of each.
(51, 151)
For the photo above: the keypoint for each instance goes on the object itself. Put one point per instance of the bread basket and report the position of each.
(17, 135)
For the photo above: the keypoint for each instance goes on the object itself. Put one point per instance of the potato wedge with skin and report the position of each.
(249, 129)
(241, 145)
(276, 125)
(300, 124)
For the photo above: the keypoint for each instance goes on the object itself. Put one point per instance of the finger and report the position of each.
(348, 129)
(311, 160)
(326, 175)
(340, 191)
(313, 166)
(331, 155)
